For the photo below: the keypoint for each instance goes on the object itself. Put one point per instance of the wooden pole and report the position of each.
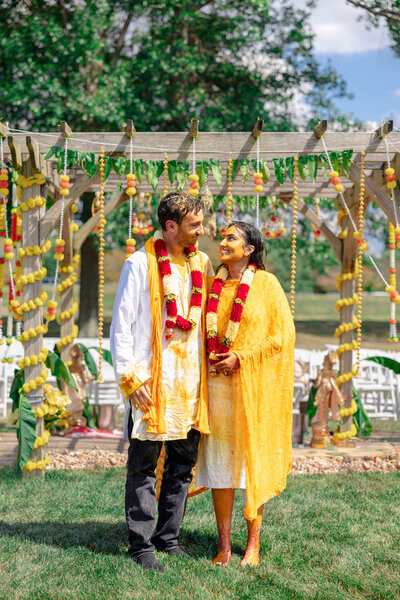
(347, 312)
(31, 237)
(321, 128)
(258, 127)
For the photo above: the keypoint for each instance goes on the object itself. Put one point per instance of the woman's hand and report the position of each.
(227, 363)
(141, 398)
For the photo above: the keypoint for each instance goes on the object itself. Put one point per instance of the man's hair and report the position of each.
(175, 206)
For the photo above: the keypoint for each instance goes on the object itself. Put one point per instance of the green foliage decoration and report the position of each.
(26, 431)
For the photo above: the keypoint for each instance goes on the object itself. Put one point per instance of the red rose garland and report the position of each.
(171, 292)
(213, 346)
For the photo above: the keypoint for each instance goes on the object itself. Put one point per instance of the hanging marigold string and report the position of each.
(362, 246)
(130, 191)
(393, 337)
(229, 201)
(315, 230)
(102, 223)
(165, 175)
(294, 227)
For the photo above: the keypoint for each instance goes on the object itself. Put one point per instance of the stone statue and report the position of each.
(328, 396)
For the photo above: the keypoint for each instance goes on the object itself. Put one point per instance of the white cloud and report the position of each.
(338, 30)
(396, 92)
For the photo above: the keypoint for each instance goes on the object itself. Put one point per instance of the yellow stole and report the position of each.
(154, 416)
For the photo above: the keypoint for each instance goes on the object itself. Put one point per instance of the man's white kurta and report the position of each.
(130, 338)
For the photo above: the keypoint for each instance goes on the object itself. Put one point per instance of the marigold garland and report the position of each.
(171, 292)
(165, 174)
(213, 345)
(102, 223)
(294, 227)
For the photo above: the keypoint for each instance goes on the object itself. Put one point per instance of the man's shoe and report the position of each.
(149, 561)
(174, 550)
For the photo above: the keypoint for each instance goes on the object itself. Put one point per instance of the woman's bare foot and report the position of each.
(222, 559)
(250, 558)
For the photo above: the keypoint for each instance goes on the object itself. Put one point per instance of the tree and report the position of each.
(96, 63)
(389, 11)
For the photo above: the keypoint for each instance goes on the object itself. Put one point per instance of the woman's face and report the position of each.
(233, 247)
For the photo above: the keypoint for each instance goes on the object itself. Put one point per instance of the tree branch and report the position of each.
(120, 42)
(377, 12)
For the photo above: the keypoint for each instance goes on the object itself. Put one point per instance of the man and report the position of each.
(157, 343)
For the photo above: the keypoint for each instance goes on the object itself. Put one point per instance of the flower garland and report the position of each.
(171, 292)
(102, 223)
(294, 240)
(213, 346)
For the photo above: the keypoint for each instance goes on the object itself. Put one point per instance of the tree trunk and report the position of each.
(89, 289)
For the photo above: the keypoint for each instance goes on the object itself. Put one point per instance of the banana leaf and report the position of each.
(89, 165)
(313, 167)
(290, 167)
(182, 173)
(387, 362)
(346, 159)
(202, 171)
(87, 414)
(91, 365)
(244, 166)
(279, 168)
(172, 171)
(60, 370)
(265, 170)
(16, 388)
(26, 431)
(303, 167)
(215, 166)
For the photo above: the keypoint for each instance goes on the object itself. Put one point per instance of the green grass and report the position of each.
(327, 538)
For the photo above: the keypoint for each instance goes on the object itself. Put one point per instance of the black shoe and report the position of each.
(148, 561)
(174, 550)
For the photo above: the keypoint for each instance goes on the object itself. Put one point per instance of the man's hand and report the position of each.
(141, 398)
(227, 363)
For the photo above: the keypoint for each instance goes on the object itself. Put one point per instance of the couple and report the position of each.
(208, 375)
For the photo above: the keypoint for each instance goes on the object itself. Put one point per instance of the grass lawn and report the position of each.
(328, 537)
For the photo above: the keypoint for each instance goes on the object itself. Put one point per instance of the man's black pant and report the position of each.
(140, 491)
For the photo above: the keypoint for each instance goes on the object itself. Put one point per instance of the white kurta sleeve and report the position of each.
(129, 371)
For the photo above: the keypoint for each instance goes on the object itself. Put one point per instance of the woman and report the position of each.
(250, 341)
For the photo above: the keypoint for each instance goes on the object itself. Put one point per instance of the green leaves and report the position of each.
(182, 173)
(172, 171)
(16, 388)
(279, 168)
(264, 170)
(202, 167)
(216, 170)
(244, 166)
(303, 167)
(290, 167)
(106, 354)
(91, 365)
(389, 363)
(151, 173)
(26, 431)
(346, 159)
(60, 370)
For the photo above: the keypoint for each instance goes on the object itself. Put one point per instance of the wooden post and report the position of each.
(31, 237)
(130, 129)
(321, 128)
(347, 312)
(258, 127)
(16, 154)
(194, 127)
(384, 129)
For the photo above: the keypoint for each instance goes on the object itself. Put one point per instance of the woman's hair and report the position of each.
(175, 206)
(252, 237)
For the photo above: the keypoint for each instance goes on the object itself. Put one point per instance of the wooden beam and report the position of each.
(34, 154)
(16, 154)
(258, 127)
(194, 127)
(335, 243)
(321, 128)
(374, 191)
(52, 216)
(130, 129)
(384, 129)
(114, 203)
(152, 145)
(65, 129)
(3, 130)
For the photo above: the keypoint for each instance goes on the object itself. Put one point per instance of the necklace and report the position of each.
(171, 287)
(213, 346)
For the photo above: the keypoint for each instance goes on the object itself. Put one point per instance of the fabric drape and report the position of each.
(264, 389)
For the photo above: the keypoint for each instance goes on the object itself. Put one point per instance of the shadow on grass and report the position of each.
(102, 538)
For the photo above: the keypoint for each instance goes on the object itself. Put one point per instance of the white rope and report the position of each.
(258, 195)
(194, 155)
(391, 191)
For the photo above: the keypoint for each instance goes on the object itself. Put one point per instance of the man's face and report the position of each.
(190, 229)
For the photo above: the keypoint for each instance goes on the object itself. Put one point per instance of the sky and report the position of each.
(363, 58)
